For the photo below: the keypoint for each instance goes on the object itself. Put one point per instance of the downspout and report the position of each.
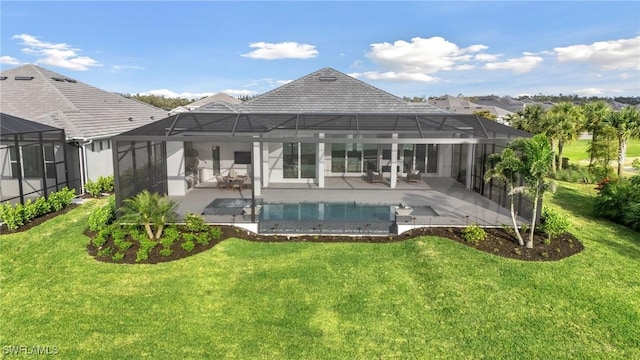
(84, 176)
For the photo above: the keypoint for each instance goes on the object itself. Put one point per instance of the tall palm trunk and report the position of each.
(147, 227)
(513, 218)
(553, 148)
(622, 153)
(560, 147)
(533, 217)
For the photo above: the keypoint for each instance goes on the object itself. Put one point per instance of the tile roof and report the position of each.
(327, 91)
(82, 110)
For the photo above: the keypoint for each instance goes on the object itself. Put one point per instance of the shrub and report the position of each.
(99, 240)
(30, 211)
(93, 188)
(171, 234)
(195, 223)
(474, 234)
(636, 164)
(553, 224)
(118, 233)
(122, 244)
(188, 246)
(149, 209)
(13, 216)
(104, 252)
(215, 233)
(103, 216)
(105, 183)
(42, 206)
(203, 238)
(146, 246)
(617, 200)
(61, 199)
(117, 256)
(166, 252)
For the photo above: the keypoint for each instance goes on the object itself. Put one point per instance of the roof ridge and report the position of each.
(50, 84)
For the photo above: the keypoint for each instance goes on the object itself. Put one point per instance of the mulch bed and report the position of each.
(498, 242)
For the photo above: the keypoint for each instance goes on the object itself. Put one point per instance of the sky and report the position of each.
(412, 49)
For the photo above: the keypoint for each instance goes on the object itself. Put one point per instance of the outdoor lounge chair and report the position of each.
(374, 176)
(222, 183)
(414, 176)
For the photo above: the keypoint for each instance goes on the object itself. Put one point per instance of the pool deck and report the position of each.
(455, 204)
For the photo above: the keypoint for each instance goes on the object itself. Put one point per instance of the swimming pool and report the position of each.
(334, 212)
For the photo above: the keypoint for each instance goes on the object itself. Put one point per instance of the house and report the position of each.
(219, 97)
(88, 115)
(460, 105)
(324, 125)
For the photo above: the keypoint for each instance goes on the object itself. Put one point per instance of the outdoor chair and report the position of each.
(222, 184)
(414, 176)
(374, 176)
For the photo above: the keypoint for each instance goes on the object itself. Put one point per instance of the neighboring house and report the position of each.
(460, 105)
(326, 124)
(33, 160)
(89, 116)
(219, 97)
(506, 102)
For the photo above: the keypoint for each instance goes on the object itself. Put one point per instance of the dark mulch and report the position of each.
(499, 242)
(37, 221)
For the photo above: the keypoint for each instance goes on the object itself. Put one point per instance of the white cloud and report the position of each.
(589, 92)
(518, 65)
(608, 55)
(487, 57)
(426, 56)
(117, 68)
(395, 76)
(60, 55)
(9, 60)
(283, 50)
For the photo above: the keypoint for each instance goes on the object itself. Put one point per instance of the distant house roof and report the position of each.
(10, 125)
(324, 101)
(83, 111)
(460, 105)
(215, 98)
(508, 103)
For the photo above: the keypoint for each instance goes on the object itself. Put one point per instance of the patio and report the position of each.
(454, 204)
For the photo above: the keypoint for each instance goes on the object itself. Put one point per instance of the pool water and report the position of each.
(335, 212)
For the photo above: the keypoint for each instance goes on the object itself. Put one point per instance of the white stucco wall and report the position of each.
(99, 162)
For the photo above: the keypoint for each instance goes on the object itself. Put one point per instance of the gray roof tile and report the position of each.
(82, 110)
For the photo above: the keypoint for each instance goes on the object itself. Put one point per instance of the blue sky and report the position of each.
(426, 48)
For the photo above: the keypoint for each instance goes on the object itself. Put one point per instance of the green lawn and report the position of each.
(425, 298)
(577, 150)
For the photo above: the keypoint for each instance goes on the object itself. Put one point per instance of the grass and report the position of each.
(576, 151)
(424, 298)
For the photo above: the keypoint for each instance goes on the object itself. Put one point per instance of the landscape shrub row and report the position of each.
(103, 184)
(15, 216)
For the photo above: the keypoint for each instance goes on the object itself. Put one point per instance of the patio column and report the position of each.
(264, 169)
(176, 183)
(320, 162)
(394, 162)
(255, 169)
(467, 180)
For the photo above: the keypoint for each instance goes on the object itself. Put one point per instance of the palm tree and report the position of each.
(562, 124)
(626, 123)
(148, 209)
(505, 167)
(537, 157)
(596, 113)
(529, 119)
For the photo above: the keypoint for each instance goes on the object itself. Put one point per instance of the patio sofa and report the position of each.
(414, 176)
(374, 176)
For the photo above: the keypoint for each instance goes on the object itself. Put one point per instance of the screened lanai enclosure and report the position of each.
(34, 160)
(326, 125)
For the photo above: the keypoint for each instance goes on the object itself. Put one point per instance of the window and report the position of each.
(32, 159)
(299, 161)
(338, 154)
